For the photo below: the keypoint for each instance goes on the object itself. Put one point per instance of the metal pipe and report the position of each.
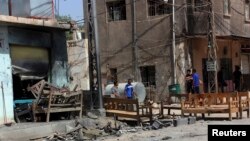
(88, 27)
(97, 54)
(135, 48)
(10, 8)
(53, 10)
(173, 44)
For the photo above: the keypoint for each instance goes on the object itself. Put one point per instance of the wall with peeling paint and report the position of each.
(6, 91)
(79, 63)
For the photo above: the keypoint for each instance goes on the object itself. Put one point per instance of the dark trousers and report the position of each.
(237, 86)
(196, 89)
(190, 89)
(129, 97)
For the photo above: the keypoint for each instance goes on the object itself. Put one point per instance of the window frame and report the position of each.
(198, 9)
(227, 9)
(122, 11)
(247, 4)
(150, 80)
(160, 8)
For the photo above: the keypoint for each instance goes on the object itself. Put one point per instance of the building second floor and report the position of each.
(30, 13)
(38, 9)
(231, 17)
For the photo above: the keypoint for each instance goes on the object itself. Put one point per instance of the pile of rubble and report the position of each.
(91, 129)
(87, 129)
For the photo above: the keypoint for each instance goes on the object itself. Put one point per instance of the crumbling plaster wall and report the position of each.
(79, 64)
(6, 91)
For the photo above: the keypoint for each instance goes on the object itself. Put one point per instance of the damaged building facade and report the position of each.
(32, 47)
(154, 27)
(154, 42)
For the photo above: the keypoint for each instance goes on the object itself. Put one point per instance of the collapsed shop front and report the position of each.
(29, 65)
(35, 54)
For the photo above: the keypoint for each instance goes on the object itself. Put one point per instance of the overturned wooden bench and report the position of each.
(51, 99)
(211, 103)
(127, 108)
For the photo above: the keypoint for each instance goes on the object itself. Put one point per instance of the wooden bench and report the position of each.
(244, 103)
(128, 108)
(171, 104)
(211, 103)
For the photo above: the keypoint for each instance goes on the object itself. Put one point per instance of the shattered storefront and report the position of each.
(28, 55)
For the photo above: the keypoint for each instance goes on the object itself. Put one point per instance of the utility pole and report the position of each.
(136, 71)
(212, 52)
(94, 55)
(173, 46)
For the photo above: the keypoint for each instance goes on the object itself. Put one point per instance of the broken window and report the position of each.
(247, 9)
(116, 10)
(148, 76)
(227, 7)
(159, 7)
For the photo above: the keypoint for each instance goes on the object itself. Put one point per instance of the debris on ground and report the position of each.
(166, 138)
(89, 128)
(91, 115)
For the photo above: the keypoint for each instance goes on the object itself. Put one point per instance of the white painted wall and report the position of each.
(6, 91)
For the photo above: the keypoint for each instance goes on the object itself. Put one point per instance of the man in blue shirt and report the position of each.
(129, 91)
(196, 82)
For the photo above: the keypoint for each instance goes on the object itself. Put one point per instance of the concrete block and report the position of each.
(181, 121)
(157, 124)
(191, 120)
(167, 122)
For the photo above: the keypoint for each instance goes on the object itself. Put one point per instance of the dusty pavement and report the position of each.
(193, 132)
